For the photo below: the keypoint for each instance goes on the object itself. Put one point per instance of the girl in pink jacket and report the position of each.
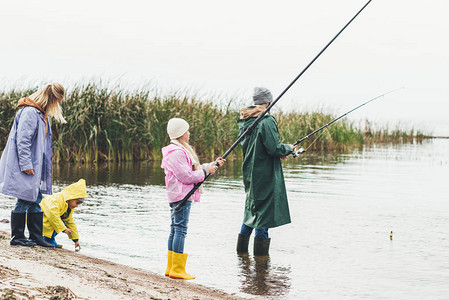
(182, 171)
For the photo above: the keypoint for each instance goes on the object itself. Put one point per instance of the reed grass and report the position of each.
(105, 124)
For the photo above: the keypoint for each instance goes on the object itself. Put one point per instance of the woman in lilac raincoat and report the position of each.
(26, 162)
(182, 171)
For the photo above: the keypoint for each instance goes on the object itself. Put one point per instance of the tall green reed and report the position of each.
(105, 124)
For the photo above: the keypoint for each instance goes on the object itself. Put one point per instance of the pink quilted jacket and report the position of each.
(179, 174)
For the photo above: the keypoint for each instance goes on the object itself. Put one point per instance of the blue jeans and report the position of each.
(178, 226)
(260, 233)
(23, 206)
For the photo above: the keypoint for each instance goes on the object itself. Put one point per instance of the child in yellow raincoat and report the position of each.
(58, 213)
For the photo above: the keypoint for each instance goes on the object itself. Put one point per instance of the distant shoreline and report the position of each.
(27, 272)
(114, 124)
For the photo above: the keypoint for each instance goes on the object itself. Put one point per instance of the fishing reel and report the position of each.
(298, 152)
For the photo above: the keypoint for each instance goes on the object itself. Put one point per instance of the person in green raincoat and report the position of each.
(266, 203)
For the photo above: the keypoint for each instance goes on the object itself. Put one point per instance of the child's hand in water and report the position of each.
(77, 246)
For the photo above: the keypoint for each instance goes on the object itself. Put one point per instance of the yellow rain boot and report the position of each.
(169, 262)
(178, 269)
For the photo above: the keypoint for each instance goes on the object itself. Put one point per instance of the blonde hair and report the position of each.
(190, 151)
(48, 99)
(192, 154)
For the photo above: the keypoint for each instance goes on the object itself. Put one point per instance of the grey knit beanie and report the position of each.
(262, 96)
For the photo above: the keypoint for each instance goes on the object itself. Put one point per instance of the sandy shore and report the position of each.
(39, 273)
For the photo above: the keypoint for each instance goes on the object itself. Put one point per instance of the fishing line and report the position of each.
(301, 150)
(256, 121)
(314, 140)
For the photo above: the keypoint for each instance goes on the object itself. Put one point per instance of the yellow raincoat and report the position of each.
(54, 206)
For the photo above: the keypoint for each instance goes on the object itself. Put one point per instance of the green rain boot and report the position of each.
(242, 244)
(261, 246)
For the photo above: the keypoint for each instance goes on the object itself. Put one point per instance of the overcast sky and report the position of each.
(227, 48)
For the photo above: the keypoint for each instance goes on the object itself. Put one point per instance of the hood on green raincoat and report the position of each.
(76, 190)
(247, 117)
(251, 111)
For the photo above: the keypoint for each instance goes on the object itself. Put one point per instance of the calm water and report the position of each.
(338, 245)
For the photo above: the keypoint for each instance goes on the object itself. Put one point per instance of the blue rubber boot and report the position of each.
(52, 240)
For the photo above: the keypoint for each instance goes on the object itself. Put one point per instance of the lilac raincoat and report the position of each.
(179, 174)
(27, 148)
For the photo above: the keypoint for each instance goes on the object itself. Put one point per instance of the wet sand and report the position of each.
(39, 273)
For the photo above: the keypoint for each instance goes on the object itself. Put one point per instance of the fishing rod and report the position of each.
(256, 121)
(301, 150)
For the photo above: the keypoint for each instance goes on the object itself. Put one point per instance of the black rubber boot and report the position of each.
(34, 224)
(242, 244)
(261, 246)
(17, 230)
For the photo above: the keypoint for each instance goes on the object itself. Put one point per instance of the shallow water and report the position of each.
(343, 207)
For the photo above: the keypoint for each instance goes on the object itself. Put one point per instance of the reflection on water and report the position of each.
(150, 172)
(343, 207)
(135, 173)
(259, 277)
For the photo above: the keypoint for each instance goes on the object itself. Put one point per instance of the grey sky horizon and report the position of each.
(229, 48)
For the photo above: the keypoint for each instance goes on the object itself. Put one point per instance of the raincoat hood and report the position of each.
(24, 102)
(248, 115)
(169, 149)
(251, 111)
(76, 190)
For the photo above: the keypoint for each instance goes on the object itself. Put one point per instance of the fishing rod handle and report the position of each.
(298, 152)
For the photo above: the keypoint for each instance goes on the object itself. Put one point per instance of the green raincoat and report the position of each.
(266, 203)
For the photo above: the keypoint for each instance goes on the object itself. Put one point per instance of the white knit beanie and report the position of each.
(176, 127)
